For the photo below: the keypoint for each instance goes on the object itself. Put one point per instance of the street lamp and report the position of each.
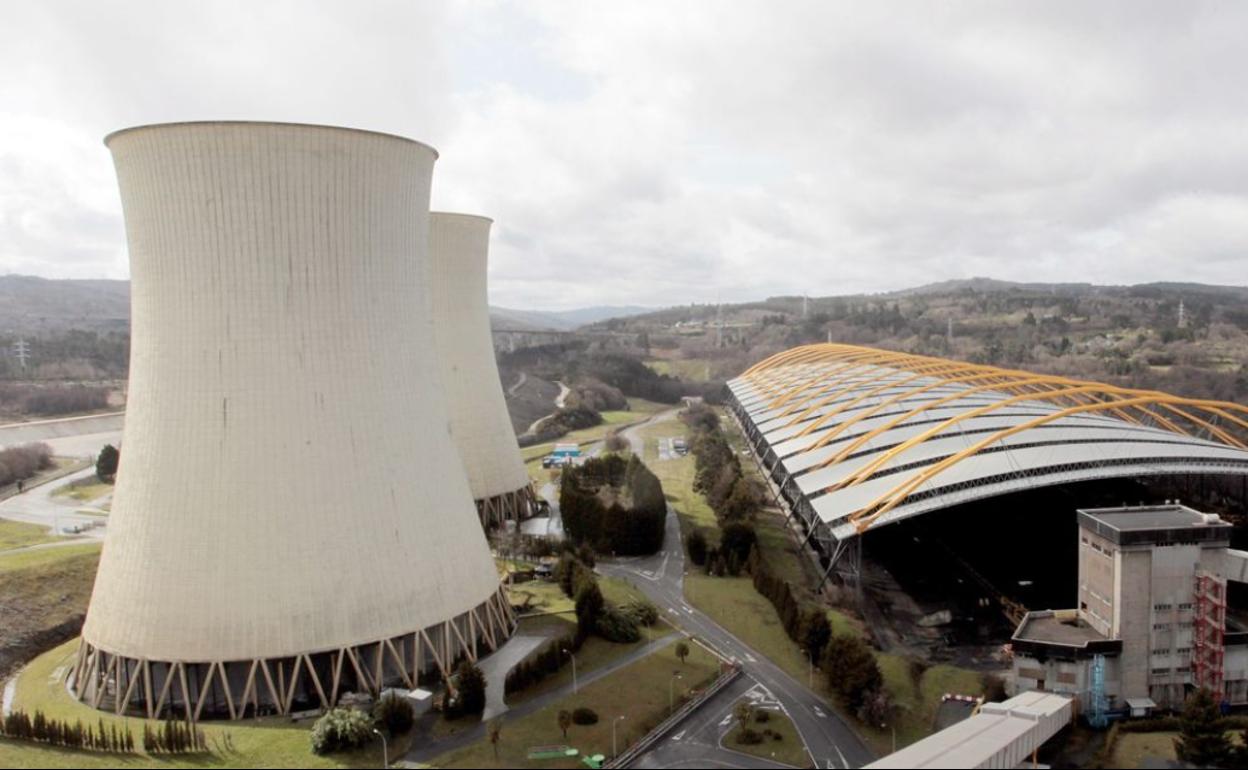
(810, 676)
(573, 657)
(385, 752)
(894, 727)
(671, 702)
(614, 753)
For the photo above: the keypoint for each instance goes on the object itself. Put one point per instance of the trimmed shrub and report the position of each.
(584, 716)
(394, 713)
(615, 625)
(341, 729)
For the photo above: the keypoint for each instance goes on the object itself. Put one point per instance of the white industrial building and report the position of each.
(1152, 620)
(291, 519)
(480, 426)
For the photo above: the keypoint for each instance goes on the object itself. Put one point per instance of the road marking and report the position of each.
(678, 735)
(819, 713)
(839, 754)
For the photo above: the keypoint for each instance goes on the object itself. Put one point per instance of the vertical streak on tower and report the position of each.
(458, 249)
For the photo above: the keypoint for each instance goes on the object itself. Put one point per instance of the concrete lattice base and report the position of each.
(509, 506)
(314, 680)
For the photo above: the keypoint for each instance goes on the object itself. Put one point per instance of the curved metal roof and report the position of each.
(869, 436)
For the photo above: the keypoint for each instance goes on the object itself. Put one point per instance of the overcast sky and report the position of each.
(668, 152)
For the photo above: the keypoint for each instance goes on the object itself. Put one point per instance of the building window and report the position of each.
(1160, 671)
(1161, 607)
(1185, 606)
(1184, 650)
(1161, 626)
(1162, 651)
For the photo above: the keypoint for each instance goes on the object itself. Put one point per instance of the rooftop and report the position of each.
(1155, 524)
(1063, 627)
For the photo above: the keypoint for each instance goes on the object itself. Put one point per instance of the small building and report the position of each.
(1152, 621)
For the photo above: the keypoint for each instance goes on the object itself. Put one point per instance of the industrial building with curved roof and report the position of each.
(857, 437)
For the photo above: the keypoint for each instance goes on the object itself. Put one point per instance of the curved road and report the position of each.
(830, 741)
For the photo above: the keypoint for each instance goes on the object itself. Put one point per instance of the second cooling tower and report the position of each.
(291, 519)
(458, 251)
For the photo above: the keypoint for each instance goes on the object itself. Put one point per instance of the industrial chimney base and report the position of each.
(509, 506)
(314, 680)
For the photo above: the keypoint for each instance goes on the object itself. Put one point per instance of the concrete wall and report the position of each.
(289, 482)
(480, 425)
(1096, 582)
(1133, 619)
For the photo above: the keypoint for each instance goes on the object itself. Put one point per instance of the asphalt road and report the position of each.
(831, 742)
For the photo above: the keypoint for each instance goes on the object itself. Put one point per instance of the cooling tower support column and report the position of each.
(459, 248)
(291, 520)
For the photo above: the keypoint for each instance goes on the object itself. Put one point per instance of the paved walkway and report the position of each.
(498, 664)
(423, 752)
(39, 506)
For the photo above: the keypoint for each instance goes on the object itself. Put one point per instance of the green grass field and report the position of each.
(84, 490)
(689, 369)
(17, 534)
(43, 588)
(788, 749)
(638, 692)
(270, 742)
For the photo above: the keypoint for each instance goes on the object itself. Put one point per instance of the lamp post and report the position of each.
(614, 753)
(810, 675)
(573, 657)
(671, 701)
(894, 728)
(385, 751)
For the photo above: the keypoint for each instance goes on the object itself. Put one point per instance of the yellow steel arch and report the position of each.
(866, 516)
(1131, 400)
(917, 373)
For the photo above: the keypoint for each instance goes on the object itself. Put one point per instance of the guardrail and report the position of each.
(667, 725)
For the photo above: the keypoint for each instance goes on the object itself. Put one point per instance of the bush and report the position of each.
(762, 716)
(696, 545)
(749, 737)
(395, 714)
(471, 685)
(341, 729)
(22, 462)
(106, 464)
(615, 625)
(642, 612)
(584, 716)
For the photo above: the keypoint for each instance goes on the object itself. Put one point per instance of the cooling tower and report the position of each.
(458, 249)
(291, 520)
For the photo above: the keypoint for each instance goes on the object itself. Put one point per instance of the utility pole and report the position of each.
(1182, 315)
(949, 332)
(805, 306)
(719, 323)
(21, 349)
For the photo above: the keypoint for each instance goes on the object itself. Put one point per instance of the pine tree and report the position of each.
(1202, 737)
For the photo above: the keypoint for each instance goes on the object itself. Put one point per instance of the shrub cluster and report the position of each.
(562, 422)
(53, 400)
(19, 725)
(21, 462)
(733, 498)
(341, 729)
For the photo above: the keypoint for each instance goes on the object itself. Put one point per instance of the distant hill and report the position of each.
(29, 304)
(562, 320)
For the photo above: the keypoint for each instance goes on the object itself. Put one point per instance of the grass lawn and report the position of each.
(18, 534)
(689, 369)
(676, 476)
(638, 692)
(270, 742)
(788, 749)
(595, 653)
(84, 490)
(40, 590)
(1132, 749)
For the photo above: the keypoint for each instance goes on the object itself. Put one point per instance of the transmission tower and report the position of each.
(21, 350)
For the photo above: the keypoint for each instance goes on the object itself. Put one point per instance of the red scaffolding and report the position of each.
(1208, 633)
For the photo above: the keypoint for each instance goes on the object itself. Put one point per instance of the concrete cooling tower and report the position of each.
(291, 520)
(458, 249)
